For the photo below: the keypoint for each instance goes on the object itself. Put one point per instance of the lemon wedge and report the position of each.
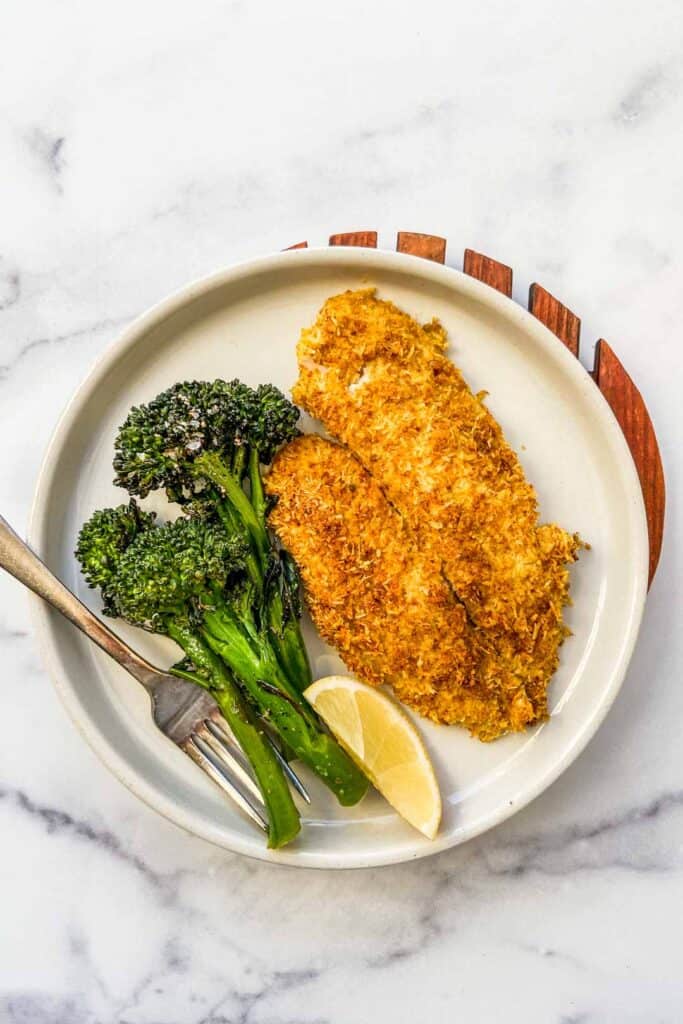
(380, 737)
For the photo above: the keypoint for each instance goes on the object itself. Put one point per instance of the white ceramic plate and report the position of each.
(244, 322)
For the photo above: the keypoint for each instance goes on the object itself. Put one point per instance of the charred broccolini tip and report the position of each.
(169, 574)
(162, 444)
(104, 538)
(273, 423)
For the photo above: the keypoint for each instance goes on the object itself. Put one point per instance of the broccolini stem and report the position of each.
(258, 497)
(268, 688)
(285, 628)
(283, 817)
(212, 466)
(234, 511)
(250, 652)
(239, 461)
(192, 677)
(286, 637)
(294, 657)
(234, 526)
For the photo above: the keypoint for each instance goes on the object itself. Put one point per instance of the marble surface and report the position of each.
(143, 145)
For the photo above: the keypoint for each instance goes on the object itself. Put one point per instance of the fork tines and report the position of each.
(215, 750)
(218, 761)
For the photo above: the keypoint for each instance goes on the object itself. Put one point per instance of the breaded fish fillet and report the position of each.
(378, 599)
(381, 383)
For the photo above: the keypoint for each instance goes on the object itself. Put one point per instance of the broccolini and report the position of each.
(154, 577)
(201, 442)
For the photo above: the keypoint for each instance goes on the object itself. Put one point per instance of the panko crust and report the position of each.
(381, 601)
(381, 383)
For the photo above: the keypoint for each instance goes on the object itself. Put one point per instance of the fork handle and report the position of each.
(22, 563)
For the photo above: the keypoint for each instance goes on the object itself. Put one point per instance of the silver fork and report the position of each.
(186, 714)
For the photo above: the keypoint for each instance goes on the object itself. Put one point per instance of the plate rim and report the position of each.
(41, 615)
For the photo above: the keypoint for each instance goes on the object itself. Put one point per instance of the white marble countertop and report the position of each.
(145, 144)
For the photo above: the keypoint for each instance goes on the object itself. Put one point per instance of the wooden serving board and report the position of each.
(608, 373)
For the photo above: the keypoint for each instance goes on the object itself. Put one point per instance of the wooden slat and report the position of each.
(430, 247)
(561, 321)
(299, 245)
(491, 272)
(364, 239)
(631, 412)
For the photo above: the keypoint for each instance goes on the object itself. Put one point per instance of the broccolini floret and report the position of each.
(105, 537)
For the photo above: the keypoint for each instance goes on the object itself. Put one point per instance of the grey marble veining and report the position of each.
(148, 144)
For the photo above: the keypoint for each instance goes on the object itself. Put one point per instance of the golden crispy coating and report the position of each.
(378, 599)
(381, 383)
